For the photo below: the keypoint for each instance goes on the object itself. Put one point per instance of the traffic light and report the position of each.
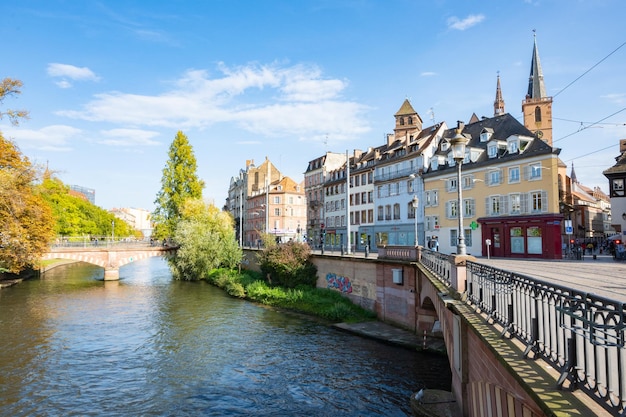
(617, 241)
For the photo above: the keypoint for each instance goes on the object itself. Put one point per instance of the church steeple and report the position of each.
(498, 104)
(536, 87)
(573, 175)
(537, 107)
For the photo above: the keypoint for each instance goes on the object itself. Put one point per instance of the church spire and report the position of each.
(573, 175)
(536, 87)
(537, 107)
(498, 104)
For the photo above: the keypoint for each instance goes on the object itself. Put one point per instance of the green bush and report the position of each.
(287, 264)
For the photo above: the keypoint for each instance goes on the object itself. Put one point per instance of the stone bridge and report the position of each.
(516, 347)
(112, 257)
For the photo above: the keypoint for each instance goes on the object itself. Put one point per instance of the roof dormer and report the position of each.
(486, 134)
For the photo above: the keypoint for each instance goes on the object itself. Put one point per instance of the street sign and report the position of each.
(569, 230)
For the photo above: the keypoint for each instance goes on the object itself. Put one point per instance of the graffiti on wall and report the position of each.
(340, 283)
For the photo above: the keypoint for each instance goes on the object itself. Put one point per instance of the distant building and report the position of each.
(139, 219)
(88, 193)
(617, 191)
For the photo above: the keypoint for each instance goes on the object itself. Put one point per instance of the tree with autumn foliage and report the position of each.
(179, 183)
(26, 222)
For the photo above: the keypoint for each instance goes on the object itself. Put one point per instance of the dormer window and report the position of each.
(445, 145)
(513, 146)
(486, 134)
(492, 150)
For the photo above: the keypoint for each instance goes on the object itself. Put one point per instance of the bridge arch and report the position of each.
(111, 259)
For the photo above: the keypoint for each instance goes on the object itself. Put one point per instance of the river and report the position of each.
(72, 344)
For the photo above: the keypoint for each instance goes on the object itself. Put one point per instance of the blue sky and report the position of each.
(109, 83)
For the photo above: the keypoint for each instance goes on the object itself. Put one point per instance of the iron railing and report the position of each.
(438, 263)
(579, 334)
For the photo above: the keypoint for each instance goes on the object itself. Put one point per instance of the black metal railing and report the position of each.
(438, 263)
(581, 335)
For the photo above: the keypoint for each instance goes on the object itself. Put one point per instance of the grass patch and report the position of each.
(321, 302)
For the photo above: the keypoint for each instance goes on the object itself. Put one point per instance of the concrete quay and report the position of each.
(602, 276)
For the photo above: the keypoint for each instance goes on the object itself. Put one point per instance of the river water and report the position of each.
(72, 344)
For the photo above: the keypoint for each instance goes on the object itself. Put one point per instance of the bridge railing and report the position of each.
(438, 263)
(581, 335)
(107, 242)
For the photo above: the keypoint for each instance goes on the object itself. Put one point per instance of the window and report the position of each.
(492, 150)
(452, 211)
(538, 201)
(454, 240)
(388, 212)
(357, 181)
(617, 187)
(513, 175)
(468, 182)
(370, 216)
(452, 184)
(469, 207)
(396, 211)
(432, 222)
(493, 205)
(370, 196)
(357, 217)
(411, 210)
(535, 172)
(494, 177)
(276, 199)
(380, 213)
(537, 114)
(513, 146)
(516, 204)
(409, 186)
(434, 198)
(276, 212)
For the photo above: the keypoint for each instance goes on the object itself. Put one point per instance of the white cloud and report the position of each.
(265, 99)
(427, 74)
(617, 98)
(128, 137)
(471, 20)
(50, 138)
(71, 72)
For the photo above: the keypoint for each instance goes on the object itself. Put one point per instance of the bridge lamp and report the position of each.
(415, 203)
(458, 143)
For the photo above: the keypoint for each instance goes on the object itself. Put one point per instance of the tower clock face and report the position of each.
(539, 134)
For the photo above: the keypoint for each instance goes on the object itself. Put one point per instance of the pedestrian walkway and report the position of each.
(602, 276)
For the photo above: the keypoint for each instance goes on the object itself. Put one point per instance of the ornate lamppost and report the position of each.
(458, 143)
(415, 203)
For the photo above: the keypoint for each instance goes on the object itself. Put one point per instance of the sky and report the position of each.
(109, 83)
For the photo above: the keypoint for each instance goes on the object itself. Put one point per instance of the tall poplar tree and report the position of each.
(179, 183)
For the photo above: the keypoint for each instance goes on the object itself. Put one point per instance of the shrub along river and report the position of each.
(72, 344)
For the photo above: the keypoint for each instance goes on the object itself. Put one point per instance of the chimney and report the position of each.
(622, 145)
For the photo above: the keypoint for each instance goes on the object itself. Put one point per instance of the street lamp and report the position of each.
(457, 144)
(415, 203)
(112, 232)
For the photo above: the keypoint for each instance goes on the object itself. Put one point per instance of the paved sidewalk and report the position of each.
(602, 276)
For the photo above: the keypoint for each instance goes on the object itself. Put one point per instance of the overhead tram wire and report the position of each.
(591, 125)
(585, 73)
(590, 153)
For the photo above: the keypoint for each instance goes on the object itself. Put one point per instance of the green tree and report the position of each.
(26, 223)
(179, 182)
(76, 216)
(11, 88)
(207, 241)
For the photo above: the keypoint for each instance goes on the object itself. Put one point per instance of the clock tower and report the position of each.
(537, 107)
